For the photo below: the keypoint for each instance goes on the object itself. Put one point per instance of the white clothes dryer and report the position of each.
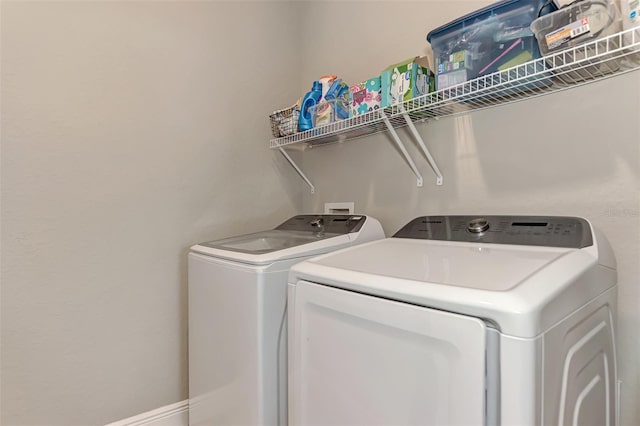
(457, 320)
(237, 306)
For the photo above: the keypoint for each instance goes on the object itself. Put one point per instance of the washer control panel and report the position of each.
(550, 231)
(329, 223)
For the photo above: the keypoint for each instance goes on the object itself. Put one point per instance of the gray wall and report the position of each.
(570, 153)
(130, 130)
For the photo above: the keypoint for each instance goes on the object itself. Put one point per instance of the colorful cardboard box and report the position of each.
(406, 80)
(365, 97)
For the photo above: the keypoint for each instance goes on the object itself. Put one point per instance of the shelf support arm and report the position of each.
(418, 139)
(400, 145)
(295, 166)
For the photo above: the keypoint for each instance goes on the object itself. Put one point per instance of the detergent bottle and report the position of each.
(326, 81)
(310, 99)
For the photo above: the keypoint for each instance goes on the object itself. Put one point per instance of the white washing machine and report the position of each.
(237, 306)
(457, 321)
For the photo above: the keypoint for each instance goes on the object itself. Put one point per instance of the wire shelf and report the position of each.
(612, 55)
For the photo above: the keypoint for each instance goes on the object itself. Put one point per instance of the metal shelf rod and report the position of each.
(420, 141)
(295, 166)
(400, 145)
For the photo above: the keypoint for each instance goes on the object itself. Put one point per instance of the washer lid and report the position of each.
(266, 241)
(302, 235)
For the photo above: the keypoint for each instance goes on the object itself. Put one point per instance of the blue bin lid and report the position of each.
(460, 22)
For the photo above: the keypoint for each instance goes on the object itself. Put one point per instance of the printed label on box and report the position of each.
(562, 35)
(400, 83)
(322, 114)
(458, 56)
(458, 60)
(365, 97)
(406, 80)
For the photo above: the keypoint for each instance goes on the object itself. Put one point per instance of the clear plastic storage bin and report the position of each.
(588, 23)
(322, 113)
(491, 39)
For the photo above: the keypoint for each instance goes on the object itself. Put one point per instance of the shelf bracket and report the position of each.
(295, 166)
(400, 145)
(425, 151)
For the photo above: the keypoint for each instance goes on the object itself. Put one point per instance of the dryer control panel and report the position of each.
(549, 231)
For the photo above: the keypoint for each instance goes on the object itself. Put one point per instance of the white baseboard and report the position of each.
(170, 415)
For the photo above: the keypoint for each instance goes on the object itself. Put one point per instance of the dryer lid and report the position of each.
(522, 289)
(474, 266)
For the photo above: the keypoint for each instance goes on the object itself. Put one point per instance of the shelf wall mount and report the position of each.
(400, 145)
(297, 169)
(425, 150)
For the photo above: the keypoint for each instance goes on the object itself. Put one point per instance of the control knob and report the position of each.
(478, 226)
